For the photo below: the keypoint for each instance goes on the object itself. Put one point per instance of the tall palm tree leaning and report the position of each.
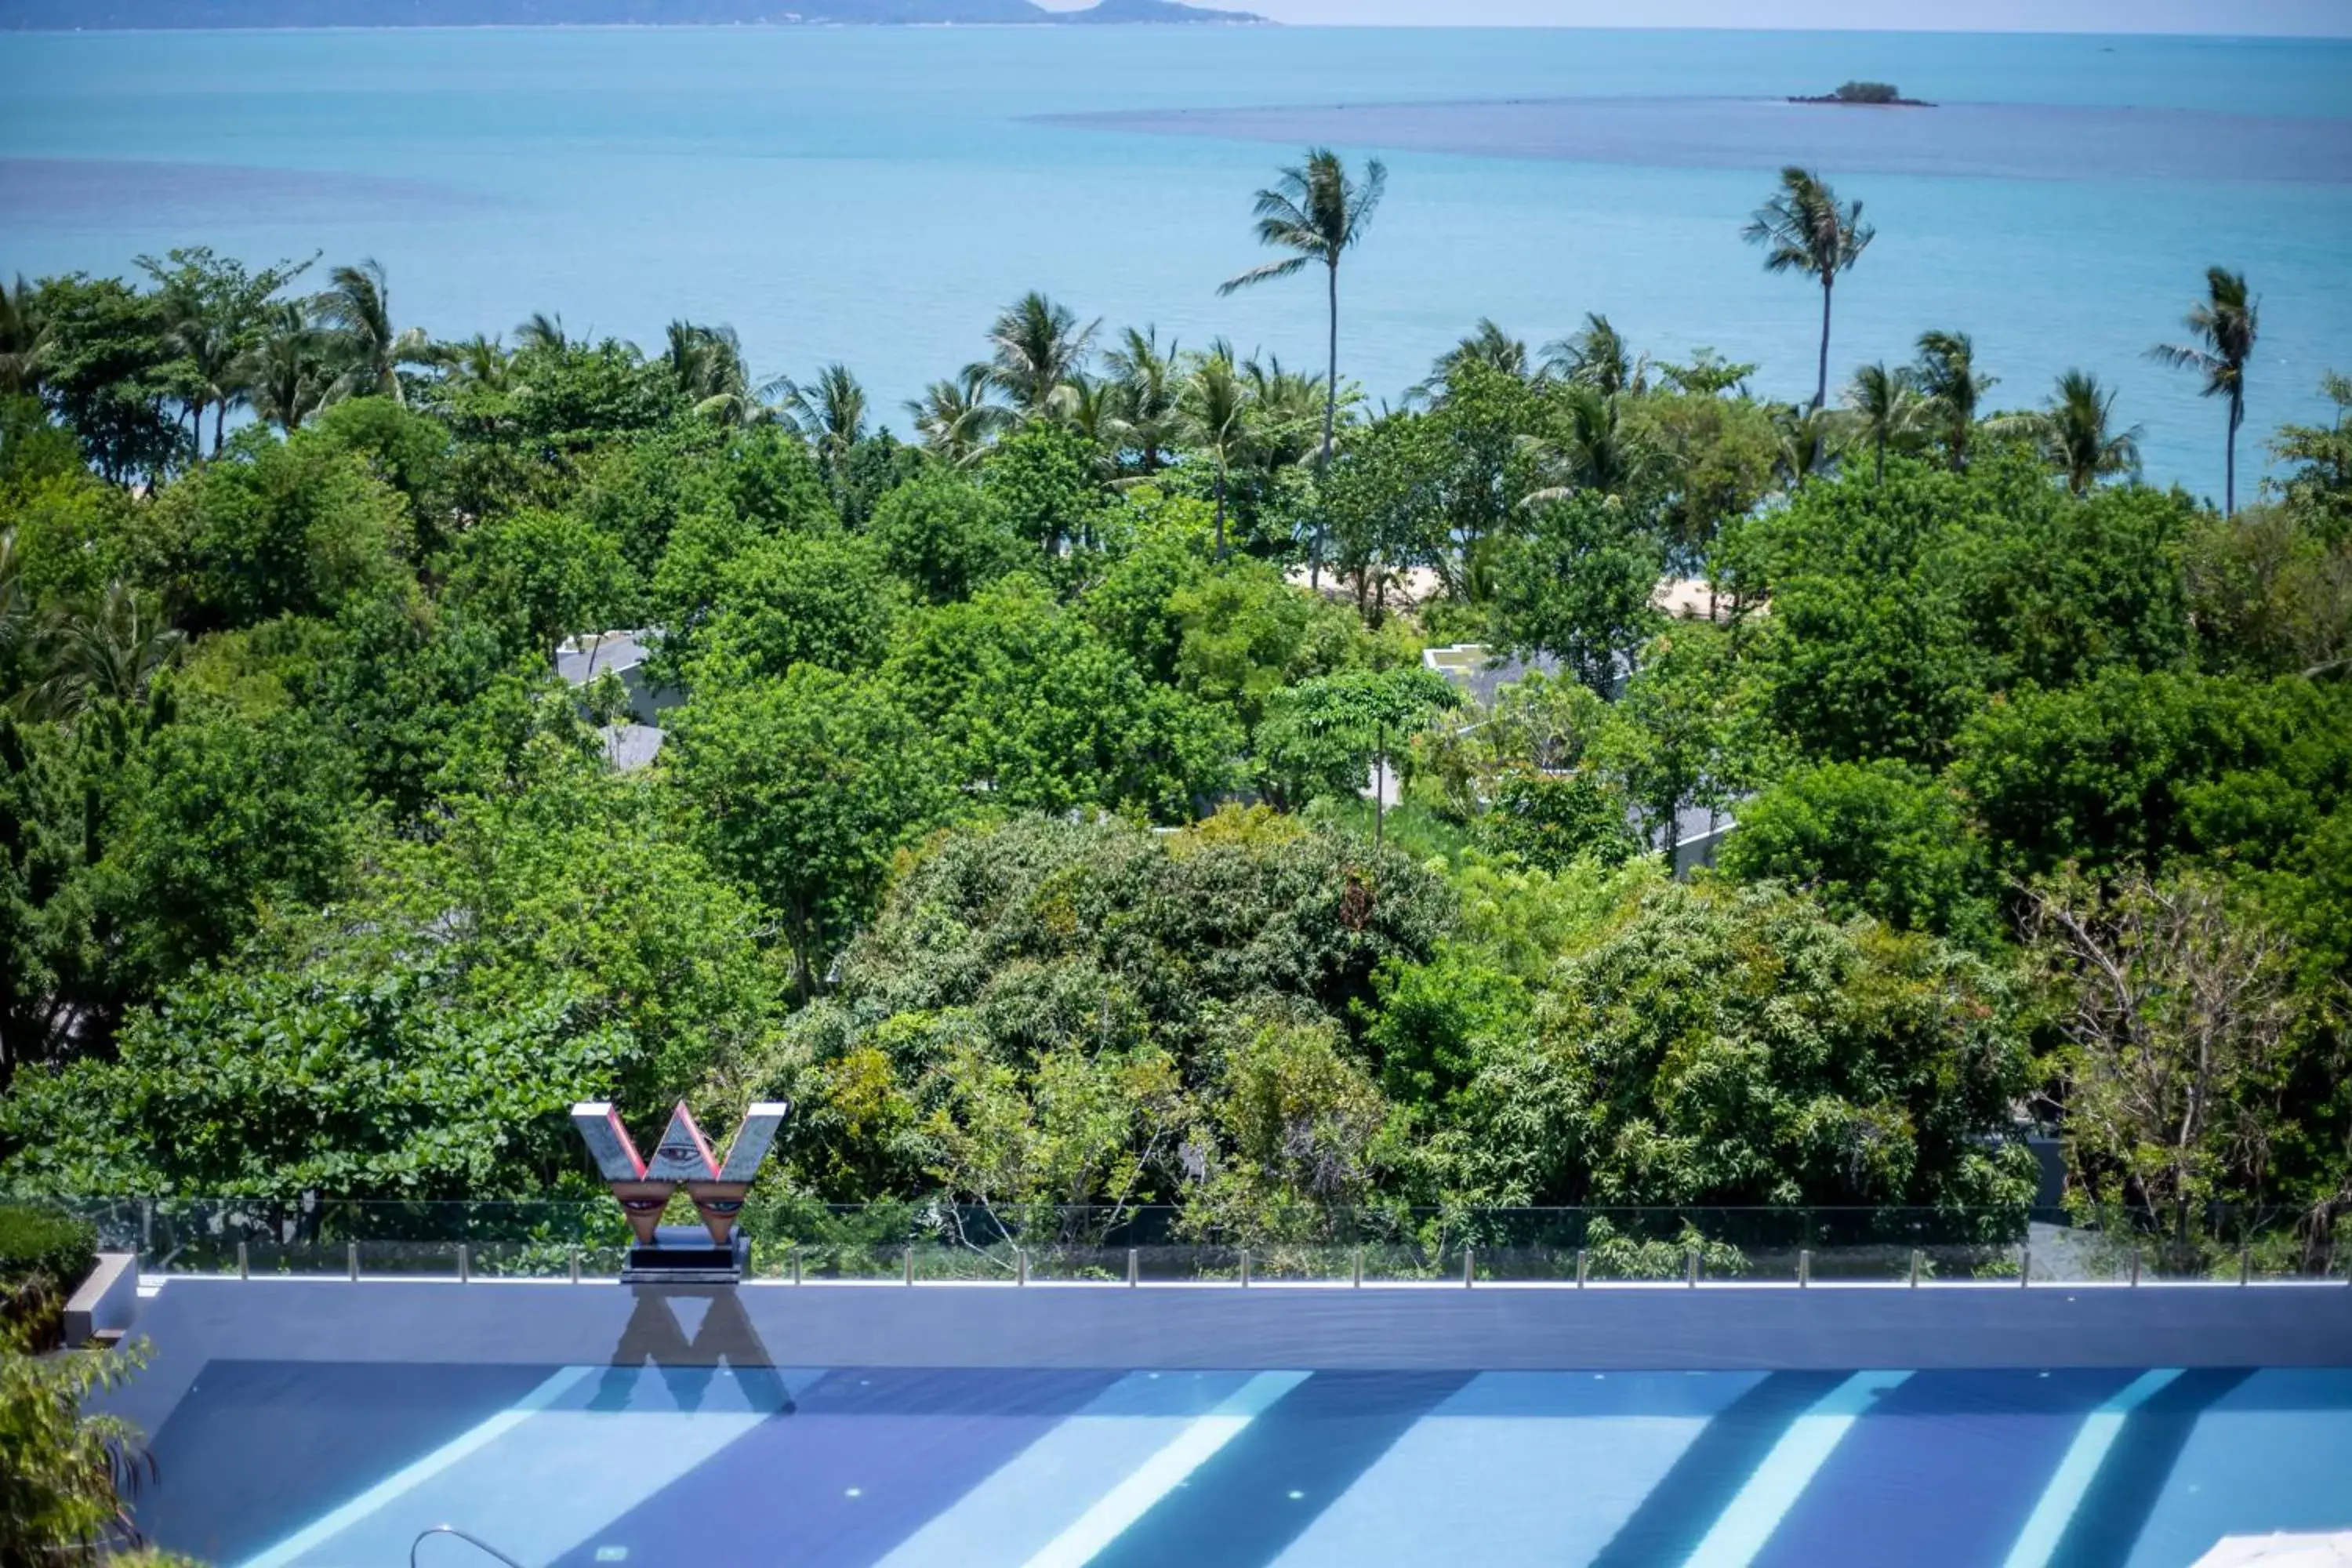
(1318, 213)
(2226, 324)
(1804, 228)
(2077, 435)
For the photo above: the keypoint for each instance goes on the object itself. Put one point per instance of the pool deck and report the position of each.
(1728, 1327)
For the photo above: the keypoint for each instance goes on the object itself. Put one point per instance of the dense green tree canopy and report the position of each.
(1008, 808)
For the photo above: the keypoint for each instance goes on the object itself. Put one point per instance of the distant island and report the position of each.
(1870, 94)
(74, 15)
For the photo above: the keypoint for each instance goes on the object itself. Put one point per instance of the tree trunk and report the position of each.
(1221, 512)
(1822, 379)
(1881, 460)
(220, 424)
(2230, 457)
(1330, 417)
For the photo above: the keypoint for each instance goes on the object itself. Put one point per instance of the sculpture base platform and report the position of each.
(684, 1255)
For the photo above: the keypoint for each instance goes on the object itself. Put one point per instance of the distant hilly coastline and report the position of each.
(72, 15)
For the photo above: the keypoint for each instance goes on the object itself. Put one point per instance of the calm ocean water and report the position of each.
(873, 195)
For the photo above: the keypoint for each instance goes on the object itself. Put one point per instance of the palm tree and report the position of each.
(2225, 326)
(1597, 355)
(215, 350)
(23, 340)
(1888, 406)
(287, 375)
(1096, 410)
(955, 418)
(1214, 411)
(1803, 228)
(706, 364)
(829, 412)
(356, 310)
(1947, 375)
(15, 604)
(1285, 405)
(541, 330)
(213, 311)
(1592, 448)
(109, 650)
(1318, 212)
(1808, 442)
(2077, 438)
(477, 361)
(1148, 385)
(1488, 345)
(1037, 350)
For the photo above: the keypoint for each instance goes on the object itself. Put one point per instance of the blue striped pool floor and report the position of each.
(308, 1465)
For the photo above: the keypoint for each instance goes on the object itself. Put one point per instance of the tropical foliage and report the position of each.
(1033, 813)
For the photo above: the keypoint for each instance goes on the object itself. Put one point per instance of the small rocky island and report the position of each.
(1872, 94)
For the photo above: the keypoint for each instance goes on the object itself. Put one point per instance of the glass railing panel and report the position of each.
(944, 1243)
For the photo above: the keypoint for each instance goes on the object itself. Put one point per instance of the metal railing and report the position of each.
(927, 1243)
(468, 1537)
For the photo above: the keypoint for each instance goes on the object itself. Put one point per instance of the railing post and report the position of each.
(244, 1268)
(2135, 1265)
(796, 1264)
(1583, 1266)
(2025, 1265)
(1356, 1277)
(1021, 1266)
(1134, 1267)
(1690, 1267)
(352, 1261)
(574, 1251)
(908, 1266)
(1469, 1267)
(1917, 1258)
(2245, 1264)
(1804, 1267)
(1244, 1267)
(146, 1228)
(464, 1263)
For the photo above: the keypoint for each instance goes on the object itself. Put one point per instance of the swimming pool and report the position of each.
(642, 1461)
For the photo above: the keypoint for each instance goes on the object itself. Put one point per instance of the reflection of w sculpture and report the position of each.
(682, 1158)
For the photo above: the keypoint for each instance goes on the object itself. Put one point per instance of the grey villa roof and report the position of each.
(630, 746)
(580, 659)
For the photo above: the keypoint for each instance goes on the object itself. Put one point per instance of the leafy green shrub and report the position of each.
(1881, 839)
(66, 1476)
(1548, 821)
(43, 1253)
(43, 1242)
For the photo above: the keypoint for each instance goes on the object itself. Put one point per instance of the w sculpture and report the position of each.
(716, 1253)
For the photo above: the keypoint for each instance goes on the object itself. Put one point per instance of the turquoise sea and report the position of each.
(873, 195)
